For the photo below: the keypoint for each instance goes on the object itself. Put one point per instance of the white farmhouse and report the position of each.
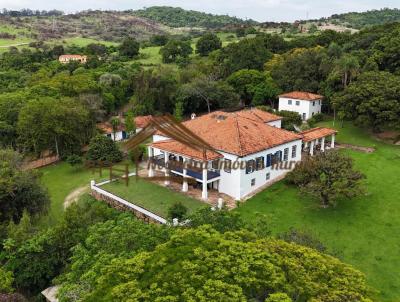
(304, 103)
(249, 143)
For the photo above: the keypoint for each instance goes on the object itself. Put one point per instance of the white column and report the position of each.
(323, 144)
(166, 160)
(333, 141)
(204, 193)
(312, 148)
(185, 186)
(151, 163)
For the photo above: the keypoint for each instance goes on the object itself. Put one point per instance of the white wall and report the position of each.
(277, 124)
(230, 182)
(304, 106)
(260, 176)
(118, 136)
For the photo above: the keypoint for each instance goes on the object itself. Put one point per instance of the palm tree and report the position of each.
(115, 122)
(348, 67)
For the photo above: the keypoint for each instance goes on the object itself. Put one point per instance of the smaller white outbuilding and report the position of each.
(304, 103)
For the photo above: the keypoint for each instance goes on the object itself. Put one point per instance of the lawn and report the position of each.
(363, 232)
(151, 196)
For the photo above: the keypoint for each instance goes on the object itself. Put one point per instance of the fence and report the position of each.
(41, 162)
(122, 204)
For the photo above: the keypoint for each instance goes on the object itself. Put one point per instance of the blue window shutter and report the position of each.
(269, 160)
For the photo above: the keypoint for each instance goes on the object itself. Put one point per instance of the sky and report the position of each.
(260, 10)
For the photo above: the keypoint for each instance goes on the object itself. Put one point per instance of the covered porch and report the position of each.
(195, 167)
(318, 140)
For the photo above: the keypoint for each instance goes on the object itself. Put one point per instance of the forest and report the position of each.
(95, 253)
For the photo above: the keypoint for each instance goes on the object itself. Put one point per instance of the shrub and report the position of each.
(177, 210)
(103, 148)
(74, 160)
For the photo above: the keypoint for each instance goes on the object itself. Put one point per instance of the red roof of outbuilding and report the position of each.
(301, 95)
(317, 133)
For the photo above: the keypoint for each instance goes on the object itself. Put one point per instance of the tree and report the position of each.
(178, 111)
(174, 50)
(347, 66)
(130, 124)
(159, 40)
(329, 176)
(290, 119)
(246, 54)
(204, 265)
(74, 160)
(371, 101)
(104, 149)
(6, 281)
(19, 190)
(63, 126)
(115, 123)
(177, 210)
(208, 43)
(129, 47)
(215, 94)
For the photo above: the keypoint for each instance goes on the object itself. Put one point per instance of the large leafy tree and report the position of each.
(328, 176)
(371, 101)
(174, 50)
(246, 54)
(63, 126)
(103, 149)
(214, 94)
(204, 265)
(19, 190)
(129, 48)
(208, 43)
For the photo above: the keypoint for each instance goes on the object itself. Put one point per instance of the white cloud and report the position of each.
(262, 10)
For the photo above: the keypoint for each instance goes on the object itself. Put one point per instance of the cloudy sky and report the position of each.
(261, 10)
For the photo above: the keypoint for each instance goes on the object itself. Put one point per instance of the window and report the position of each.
(253, 182)
(286, 154)
(304, 116)
(276, 158)
(268, 176)
(297, 103)
(250, 166)
(313, 103)
(260, 163)
(319, 102)
(312, 114)
(215, 164)
(269, 160)
(227, 165)
(294, 151)
(289, 102)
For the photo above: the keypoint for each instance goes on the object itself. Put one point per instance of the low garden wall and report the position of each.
(124, 205)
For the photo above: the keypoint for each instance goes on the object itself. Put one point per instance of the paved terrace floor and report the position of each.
(213, 195)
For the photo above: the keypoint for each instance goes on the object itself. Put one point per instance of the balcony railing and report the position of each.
(177, 167)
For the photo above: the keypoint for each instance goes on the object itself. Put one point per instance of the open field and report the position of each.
(79, 41)
(363, 232)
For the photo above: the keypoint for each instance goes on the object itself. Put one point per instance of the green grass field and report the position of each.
(152, 197)
(363, 232)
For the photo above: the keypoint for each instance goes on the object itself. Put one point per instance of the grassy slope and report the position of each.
(151, 196)
(362, 232)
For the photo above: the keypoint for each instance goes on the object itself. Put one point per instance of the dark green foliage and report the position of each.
(208, 43)
(328, 176)
(178, 17)
(177, 210)
(159, 40)
(36, 261)
(175, 50)
(246, 54)
(372, 101)
(290, 118)
(19, 190)
(104, 149)
(129, 48)
(74, 160)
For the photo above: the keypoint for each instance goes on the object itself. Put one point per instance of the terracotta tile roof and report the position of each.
(71, 57)
(142, 121)
(301, 95)
(107, 128)
(258, 115)
(237, 134)
(181, 149)
(317, 133)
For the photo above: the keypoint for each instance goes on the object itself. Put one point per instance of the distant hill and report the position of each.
(365, 19)
(178, 17)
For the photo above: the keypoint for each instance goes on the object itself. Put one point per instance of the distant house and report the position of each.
(65, 59)
(304, 103)
(121, 133)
